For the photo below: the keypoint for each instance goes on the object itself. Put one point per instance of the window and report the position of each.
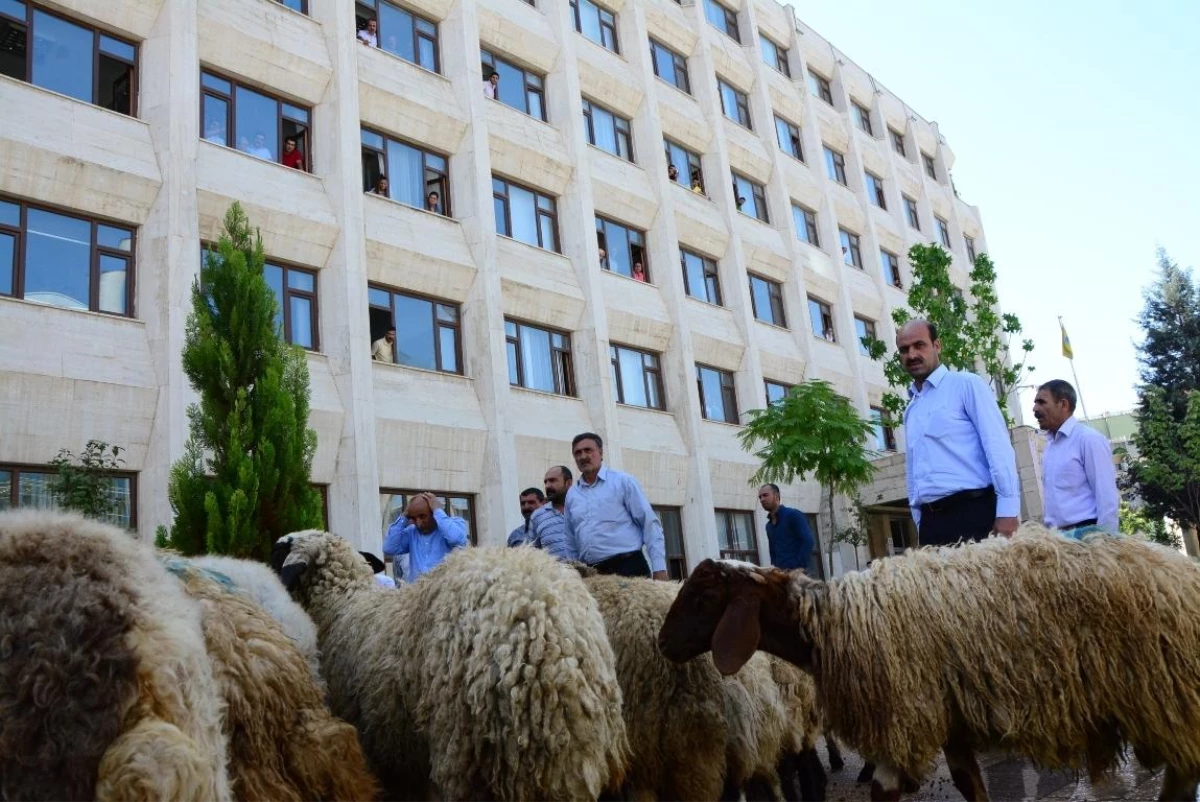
(875, 189)
(722, 18)
(539, 359)
(296, 294)
(607, 130)
(415, 177)
(835, 165)
(65, 260)
(775, 391)
(943, 232)
(735, 531)
(910, 209)
(700, 277)
(750, 197)
(890, 263)
(596, 23)
(885, 437)
(621, 248)
(818, 85)
(672, 524)
(525, 214)
(428, 330)
(67, 57)
(897, 141)
(259, 123)
(821, 316)
(865, 331)
(774, 55)
(851, 253)
(862, 118)
(302, 7)
(686, 164)
(734, 104)
(766, 299)
(718, 400)
(930, 169)
(806, 225)
(789, 138)
(970, 244)
(392, 504)
(34, 487)
(401, 33)
(637, 377)
(670, 66)
(519, 88)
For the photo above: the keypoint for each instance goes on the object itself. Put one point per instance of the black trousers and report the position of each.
(968, 519)
(632, 563)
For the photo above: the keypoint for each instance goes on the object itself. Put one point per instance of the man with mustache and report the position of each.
(962, 471)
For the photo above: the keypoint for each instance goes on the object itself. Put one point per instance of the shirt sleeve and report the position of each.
(644, 517)
(572, 546)
(984, 412)
(399, 537)
(1102, 477)
(453, 530)
(909, 477)
(804, 535)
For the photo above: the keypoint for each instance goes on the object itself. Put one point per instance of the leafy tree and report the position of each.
(1136, 521)
(1167, 470)
(856, 532)
(244, 479)
(811, 430)
(83, 482)
(1169, 356)
(973, 333)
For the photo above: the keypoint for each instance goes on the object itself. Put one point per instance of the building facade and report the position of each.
(768, 187)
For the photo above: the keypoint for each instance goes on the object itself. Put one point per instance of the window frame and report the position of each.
(678, 61)
(912, 212)
(706, 262)
(15, 469)
(875, 188)
(302, 10)
(863, 118)
(775, 296)
(811, 229)
(969, 244)
(281, 117)
(943, 227)
(780, 52)
(853, 244)
(693, 159)
(829, 330)
(728, 393)
(898, 142)
(891, 263)
(758, 192)
(868, 331)
(620, 135)
(417, 34)
(741, 103)
(793, 132)
(652, 376)
(442, 184)
(664, 512)
(97, 34)
(490, 57)
(768, 384)
(729, 17)
(20, 235)
(835, 166)
(438, 324)
(823, 86)
(602, 224)
(562, 364)
(745, 555)
(539, 212)
(930, 165)
(609, 26)
(443, 496)
(879, 418)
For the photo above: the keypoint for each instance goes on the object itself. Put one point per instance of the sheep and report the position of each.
(490, 677)
(284, 744)
(263, 585)
(1055, 649)
(800, 767)
(106, 688)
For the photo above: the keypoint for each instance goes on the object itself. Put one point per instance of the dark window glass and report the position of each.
(428, 331)
(835, 165)
(875, 190)
(806, 225)
(722, 18)
(525, 214)
(735, 533)
(766, 298)
(862, 117)
(400, 32)
(788, 136)
(718, 399)
(910, 209)
(885, 436)
(672, 524)
(897, 141)
(686, 164)
(539, 359)
(637, 377)
(865, 331)
(851, 251)
(969, 242)
(414, 176)
(519, 88)
(734, 104)
(774, 55)
(596, 23)
(821, 316)
(890, 263)
(700, 277)
(818, 85)
(775, 391)
(944, 232)
(34, 488)
(930, 169)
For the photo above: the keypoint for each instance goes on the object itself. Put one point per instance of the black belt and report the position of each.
(951, 500)
(614, 558)
(1078, 524)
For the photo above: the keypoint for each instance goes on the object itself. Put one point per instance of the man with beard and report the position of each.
(549, 523)
(962, 471)
(426, 534)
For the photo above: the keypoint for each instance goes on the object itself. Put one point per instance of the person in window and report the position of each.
(370, 34)
(491, 85)
(292, 157)
(381, 349)
(260, 148)
(740, 202)
(672, 172)
(433, 203)
(639, 272)
(426, 534)
(214, 131)
(604, 259)
(697, 184)
(381, 186)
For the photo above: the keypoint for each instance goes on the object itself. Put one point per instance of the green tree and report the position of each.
(244, 479)
(1169, 355)
(1136, 521)
(975, 336)
(83, 482)
(811, 430)
(856, 532)
(1167, 470)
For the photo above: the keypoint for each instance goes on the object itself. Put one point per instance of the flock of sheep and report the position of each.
(130, 674)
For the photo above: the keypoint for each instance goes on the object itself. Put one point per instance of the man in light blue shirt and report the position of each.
(1079, 479)
(548, 524)
(609, 519)
(962, 471)
(426, 534)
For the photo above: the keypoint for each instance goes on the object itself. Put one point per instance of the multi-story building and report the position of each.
(768, 186)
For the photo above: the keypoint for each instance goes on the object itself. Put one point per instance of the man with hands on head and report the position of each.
(426, 534)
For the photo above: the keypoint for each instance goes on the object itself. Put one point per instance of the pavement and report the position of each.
(1008, 779)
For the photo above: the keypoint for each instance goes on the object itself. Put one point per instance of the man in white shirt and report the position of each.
(381, 349)
(1079, 479)
(491, 85)
(370, 34)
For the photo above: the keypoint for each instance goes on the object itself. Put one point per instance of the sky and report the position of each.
(1075, 128)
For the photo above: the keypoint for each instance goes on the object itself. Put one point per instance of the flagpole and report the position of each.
(1075, 376)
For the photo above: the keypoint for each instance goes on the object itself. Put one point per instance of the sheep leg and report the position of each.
(885, 783)
(790, 770)
(811, 776)
(964, 771)
(759, 788)
(1178, 786)
(836, 763)
(868, 771)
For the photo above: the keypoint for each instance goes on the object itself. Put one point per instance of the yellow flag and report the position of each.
(1066, 341)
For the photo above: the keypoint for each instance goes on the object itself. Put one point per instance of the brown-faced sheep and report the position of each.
(284, 744)
(490, 676)
(1059, 650)
(106, 689)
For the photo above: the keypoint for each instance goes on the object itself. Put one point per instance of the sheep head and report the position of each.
(311, 559)
(734, 609)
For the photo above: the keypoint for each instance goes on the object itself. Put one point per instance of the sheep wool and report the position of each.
(490, 676)
(106, 689)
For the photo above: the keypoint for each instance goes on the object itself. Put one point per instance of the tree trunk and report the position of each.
(833, 529)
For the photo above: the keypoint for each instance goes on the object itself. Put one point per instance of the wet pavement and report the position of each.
(1008, 780)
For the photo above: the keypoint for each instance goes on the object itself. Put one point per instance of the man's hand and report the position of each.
(433, 501)
(1005, 526)
(661, 576)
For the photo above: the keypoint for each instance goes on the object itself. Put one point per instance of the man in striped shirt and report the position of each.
(548, 524)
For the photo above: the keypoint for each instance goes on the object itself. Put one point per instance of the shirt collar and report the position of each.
(1065, 430)
(601, 475)
(934, 378)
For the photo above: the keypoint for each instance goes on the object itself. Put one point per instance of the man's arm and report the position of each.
(1102, 477)
(453, 530)
(399, 537)
(909, 476)
(803, 534)
(984, 412)
(647, 520)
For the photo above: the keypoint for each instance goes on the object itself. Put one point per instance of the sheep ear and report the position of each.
(736, 637)
(290, 574)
